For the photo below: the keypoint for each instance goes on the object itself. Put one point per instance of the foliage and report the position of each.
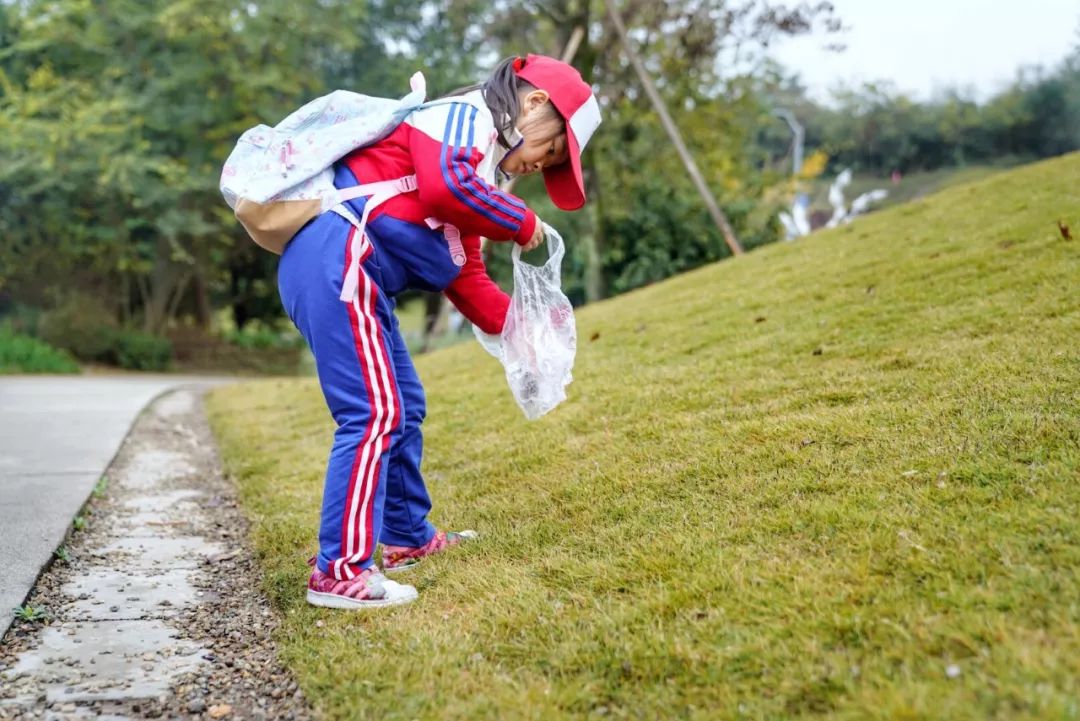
(265, 335)
(24, 354)
(135, 350)
(832, 478)
(877, 130)
(30, 613)
(632, 170)
(115, 119)
(88, 331)
(82, 326)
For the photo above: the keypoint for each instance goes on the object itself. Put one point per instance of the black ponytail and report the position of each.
(502, 93)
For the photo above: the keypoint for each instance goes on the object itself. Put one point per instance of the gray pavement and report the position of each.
(58, 434)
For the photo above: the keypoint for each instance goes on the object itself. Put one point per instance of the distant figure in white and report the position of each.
(797, 224)
(858, 206)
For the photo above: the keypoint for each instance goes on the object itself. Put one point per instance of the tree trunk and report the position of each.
(164, 278)
(203, 311)
(584, 58)
(595, 280)
(436, 317)
(673, 132)
(239, 306)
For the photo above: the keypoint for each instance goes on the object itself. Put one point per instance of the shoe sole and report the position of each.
(333, 600)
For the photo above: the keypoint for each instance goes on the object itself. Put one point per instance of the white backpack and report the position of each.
(277, 179)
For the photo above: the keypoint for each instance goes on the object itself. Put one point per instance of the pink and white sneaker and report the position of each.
(371, 589)
(400, 558)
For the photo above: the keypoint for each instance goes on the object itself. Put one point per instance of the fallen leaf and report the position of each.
(1064, 230)
(595, 336)
(807, 442)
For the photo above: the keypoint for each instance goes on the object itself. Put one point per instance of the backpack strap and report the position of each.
(377, 193)
(453, 239)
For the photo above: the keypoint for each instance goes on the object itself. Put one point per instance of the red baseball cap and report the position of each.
(574, 100)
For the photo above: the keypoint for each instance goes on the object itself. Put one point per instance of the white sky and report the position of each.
(924, 46)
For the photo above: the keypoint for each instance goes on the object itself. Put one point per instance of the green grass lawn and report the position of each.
(832, 478)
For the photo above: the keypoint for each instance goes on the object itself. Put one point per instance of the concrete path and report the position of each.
(57, 436)
(155, 611)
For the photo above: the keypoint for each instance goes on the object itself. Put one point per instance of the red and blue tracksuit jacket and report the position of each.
(374, 491)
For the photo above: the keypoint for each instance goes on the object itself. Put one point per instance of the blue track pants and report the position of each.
(373, 491)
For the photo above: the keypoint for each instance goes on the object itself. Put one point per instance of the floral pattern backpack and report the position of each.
(277, 179)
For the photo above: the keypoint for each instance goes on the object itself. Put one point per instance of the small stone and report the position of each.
(952, 671)
(220, 710)
(196, 705)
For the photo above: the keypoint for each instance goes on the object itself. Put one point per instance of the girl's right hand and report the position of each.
(537, 237)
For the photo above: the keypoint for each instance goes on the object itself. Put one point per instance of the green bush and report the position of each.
(261, 335)
(86, 328)
(82, 326)
(135, 350)
(23, 354)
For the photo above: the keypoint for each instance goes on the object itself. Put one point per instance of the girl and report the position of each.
(534, 114)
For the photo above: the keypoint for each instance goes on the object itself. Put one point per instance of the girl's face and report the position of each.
(543, 134)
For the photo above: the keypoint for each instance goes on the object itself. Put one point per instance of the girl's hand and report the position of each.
(536, 239)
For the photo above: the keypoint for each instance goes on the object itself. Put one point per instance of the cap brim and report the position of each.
(565, 185)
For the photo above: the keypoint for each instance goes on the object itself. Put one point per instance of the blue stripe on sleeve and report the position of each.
(493, 196)
(457, 112)
(466, 176)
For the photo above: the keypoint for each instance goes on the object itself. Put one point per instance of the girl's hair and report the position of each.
(503, 92)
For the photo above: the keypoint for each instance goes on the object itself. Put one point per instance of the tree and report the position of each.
(117, 117)
(680, 42)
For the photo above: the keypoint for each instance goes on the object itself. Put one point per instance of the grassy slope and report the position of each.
(822, 479)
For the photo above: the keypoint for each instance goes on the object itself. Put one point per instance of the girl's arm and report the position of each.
(475, 294)
(443, 144)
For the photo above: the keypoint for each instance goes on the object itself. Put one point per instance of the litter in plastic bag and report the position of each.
(539, 339)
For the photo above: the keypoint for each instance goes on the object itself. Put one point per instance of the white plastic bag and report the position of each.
(539, 338)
